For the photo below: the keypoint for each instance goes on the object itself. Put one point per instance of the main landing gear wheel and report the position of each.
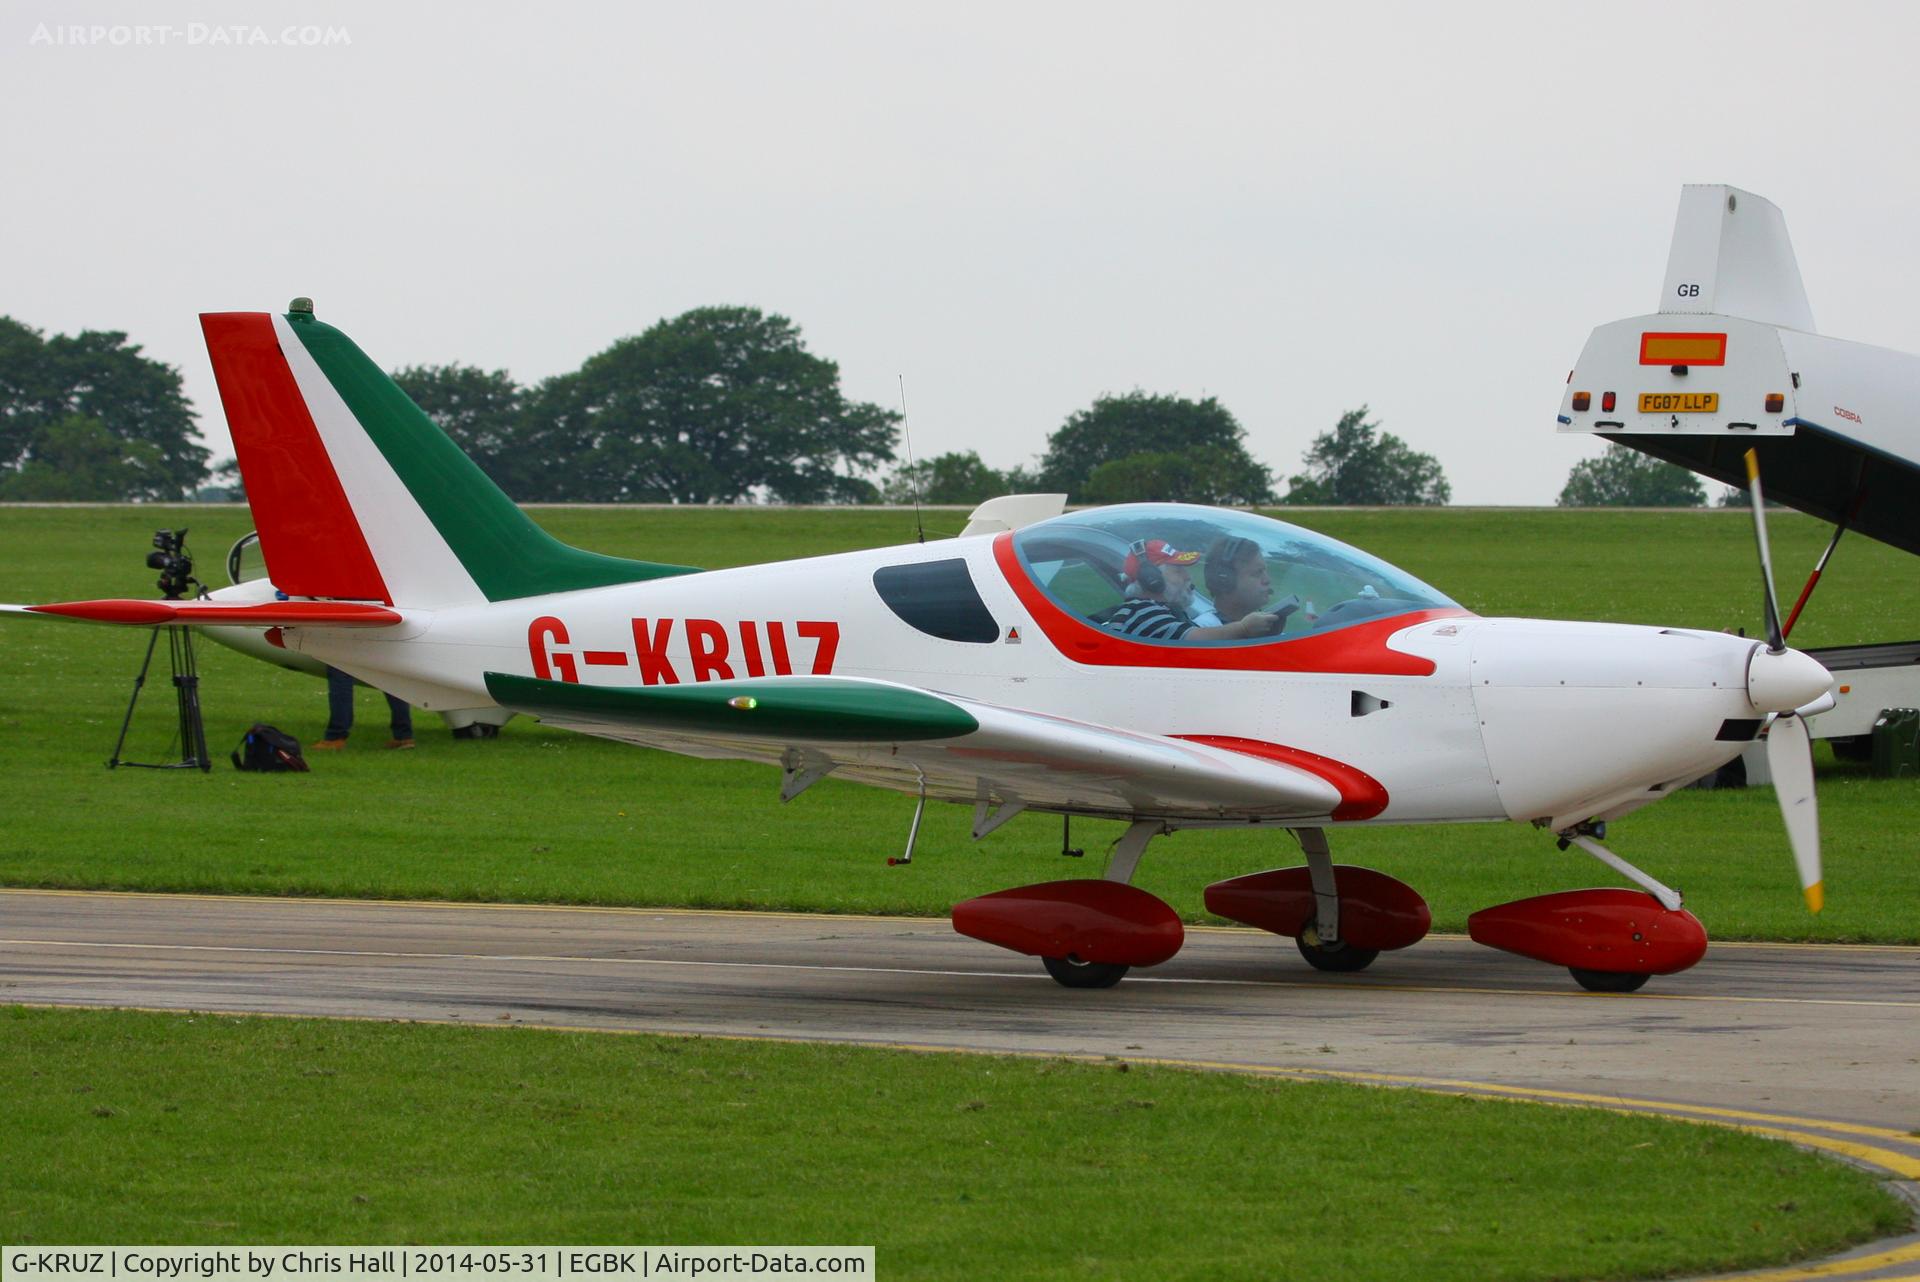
(1608, 981)
(1342, 959)
(1074, 973)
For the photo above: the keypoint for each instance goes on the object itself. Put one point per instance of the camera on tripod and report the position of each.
(171, 558)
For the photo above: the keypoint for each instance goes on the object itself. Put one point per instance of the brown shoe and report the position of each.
(328, 745)
(399, 743)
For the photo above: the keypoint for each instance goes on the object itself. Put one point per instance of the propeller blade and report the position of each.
(1776, 638)
(1790, 758)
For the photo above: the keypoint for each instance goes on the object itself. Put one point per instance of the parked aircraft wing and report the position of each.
(276, 614)
(964, 750)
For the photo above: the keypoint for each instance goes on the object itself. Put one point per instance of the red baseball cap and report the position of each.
(1158, 552)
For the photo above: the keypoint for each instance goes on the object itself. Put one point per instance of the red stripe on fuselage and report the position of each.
(1361, 795)
(308, 532)
(1361, 648)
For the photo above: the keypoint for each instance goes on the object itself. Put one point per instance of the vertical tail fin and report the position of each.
(1731, 257)
(358, 495)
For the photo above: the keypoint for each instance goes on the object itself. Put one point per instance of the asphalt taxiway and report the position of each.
(1819, 1044)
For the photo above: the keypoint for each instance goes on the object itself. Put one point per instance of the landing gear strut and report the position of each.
(1319, 939)
(1087, 931)
(1611, 940)
(1072, 972)
(1341, 916)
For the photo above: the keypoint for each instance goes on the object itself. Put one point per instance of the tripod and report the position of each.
(186, 689)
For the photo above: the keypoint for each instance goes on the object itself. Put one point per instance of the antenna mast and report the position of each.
(913, 474)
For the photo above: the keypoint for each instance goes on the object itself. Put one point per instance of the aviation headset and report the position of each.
(1146, 573)
(1222, 557)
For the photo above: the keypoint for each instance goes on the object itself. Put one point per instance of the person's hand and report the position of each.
(1260, 624)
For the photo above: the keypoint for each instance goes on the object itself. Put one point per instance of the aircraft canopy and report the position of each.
(1085, 562)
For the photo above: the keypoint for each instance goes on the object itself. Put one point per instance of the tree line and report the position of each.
(725, 405)
(86, 416)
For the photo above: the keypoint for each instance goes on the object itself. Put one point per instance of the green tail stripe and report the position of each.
(500, 546)
(779, 708)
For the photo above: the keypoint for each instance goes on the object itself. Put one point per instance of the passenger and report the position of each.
(1237, 579)
(1159, 594)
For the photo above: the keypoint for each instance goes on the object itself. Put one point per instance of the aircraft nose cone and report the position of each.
(1785, 681)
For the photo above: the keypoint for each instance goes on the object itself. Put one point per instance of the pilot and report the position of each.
(1159, 594)
(1237, 580)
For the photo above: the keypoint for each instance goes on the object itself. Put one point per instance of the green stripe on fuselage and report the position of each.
(500, 546)
(819, 708)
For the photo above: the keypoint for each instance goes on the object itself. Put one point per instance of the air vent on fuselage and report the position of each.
(1364, 703)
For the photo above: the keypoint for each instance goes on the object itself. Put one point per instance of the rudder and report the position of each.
(359, 495)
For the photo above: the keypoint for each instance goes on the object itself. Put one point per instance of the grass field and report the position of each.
(125, 1128)
(538, 815)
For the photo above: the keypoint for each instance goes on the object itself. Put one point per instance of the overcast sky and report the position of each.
(1294, 208)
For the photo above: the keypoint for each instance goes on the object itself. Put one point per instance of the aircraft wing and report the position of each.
(964, 749)
(273, 614)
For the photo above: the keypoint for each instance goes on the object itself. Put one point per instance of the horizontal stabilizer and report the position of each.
(277, 614)
(958, 749)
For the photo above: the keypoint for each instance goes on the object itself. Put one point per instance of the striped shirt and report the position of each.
(1149, 620)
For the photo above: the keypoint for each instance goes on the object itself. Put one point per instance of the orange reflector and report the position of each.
(1846, 689)
(1606, 402)
(1775, 402)
(1683, 349)
(1582, 402)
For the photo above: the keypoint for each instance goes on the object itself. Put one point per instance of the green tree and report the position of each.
(1210, 474)
(1118, 427)
(479, 409)
(96, 375)
(1740, 496)
(227, 485)
(716, 405)
(955, 477)
(1356, 464)
(78, 460)
(1625, 477)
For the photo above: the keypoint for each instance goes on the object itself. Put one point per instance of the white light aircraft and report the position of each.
(1170, 666)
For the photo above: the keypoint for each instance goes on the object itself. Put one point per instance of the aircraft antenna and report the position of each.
(913, 476)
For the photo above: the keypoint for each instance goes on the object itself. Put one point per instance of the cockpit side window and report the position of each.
(937, 598)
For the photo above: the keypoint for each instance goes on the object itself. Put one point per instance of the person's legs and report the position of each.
(402, 723)
(339, 706)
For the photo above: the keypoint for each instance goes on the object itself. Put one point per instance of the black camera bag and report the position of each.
(268, 748)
